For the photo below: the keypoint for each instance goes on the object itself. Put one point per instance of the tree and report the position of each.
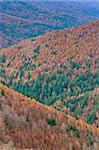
(29, 75)
(2, 92)
(21, 72)
(52, 122)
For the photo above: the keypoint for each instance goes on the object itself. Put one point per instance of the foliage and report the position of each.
(2, 92)
(52, 122)
(91, 118)
(73, 90)
(20, 27)
(75, 131)
(90, 138)
(37, 50)
(2, 73)
(2, 59)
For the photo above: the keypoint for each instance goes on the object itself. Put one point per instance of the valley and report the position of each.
(21, 20)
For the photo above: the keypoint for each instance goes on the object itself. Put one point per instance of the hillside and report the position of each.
(59, 68)
(21, 20)
(25, 123)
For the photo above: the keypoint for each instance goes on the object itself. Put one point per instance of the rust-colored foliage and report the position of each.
(24, 124)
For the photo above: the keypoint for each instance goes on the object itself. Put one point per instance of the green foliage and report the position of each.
(75, 115)
(2, 59)
(74, 65)
(3, 82)
(88, 62)
(2, 92)
(90, 139)
(52, 122)
(21, 72)
(29, 75)
(2, 73)
(50, 88)
(91, 118)
(75, 131)
(37, 50)
(60, 85)
(20, 47)
(33, 67)
(11, 80)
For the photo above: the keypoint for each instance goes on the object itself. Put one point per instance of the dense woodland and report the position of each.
(22, 20)
(49, 83)
(71, 85)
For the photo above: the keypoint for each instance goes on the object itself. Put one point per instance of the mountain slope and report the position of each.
(78, 43)
(59, 66)
(21, 20)
(24, 124)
